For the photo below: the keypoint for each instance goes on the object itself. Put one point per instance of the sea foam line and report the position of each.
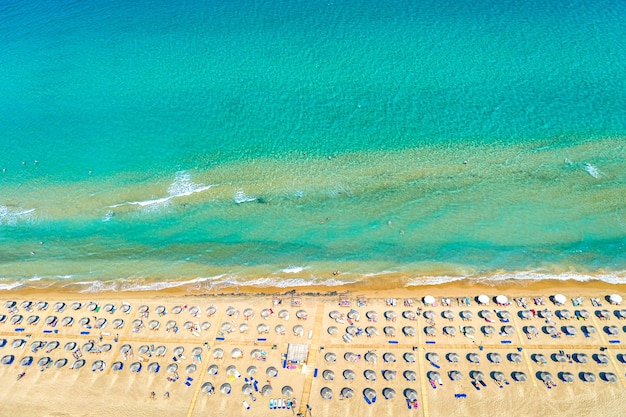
(182, 186)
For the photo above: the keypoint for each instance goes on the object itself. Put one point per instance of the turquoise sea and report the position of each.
(144, 144)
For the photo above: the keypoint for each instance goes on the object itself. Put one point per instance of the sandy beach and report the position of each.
(368, 351)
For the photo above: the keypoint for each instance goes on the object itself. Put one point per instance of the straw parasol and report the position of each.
(283, 314)
(347, 392)
(608, 377)
(3, 343)
(328, 375)
(410, 376)
(584, 314)
(225, 388)
(194, 311)
(545, 314)
(100, 365)
(301, 314)
(429, 300)
(525, 314)
(211, 310)
(581, 358)
(232, 370)
(564, 314)
(59, 306)
(485, 314)
(409, 357)
(16, 319)
(207, 388)
(514, 357)
(569, 330)
(453, 357)
(435, 376)
(551, 330)
(559, 357)
(32, 320)
(539, 358)
(567, 377)
(483, 299)
(51, 346)
(589, 329)
(473, 358)
(287, 391)
(601, 358)
(154, 325)
(230, 311)
(389, 393)
(560, 299)
(353, 315)
(455, 375)
(218, 353)
(326, 393)
(330, 357)
(531, 330)
(432, 357)
(615, 299)
(349, 375)
(389, 331)
(252, 370)
(370, 394)
(248, 313)
(246, 389)
(266, 390)
(448, 314)
(262, 328)
(265, 313)
(333, 330)
(60, 363)
(611, 330)
(429, 330)
(411, 315)
(271, 371)
(587, 377)
(18, 343)
(488, 330)
(125, 308)
(428, 314)
(109, 308)
(191, 368)
(504, 315)
(389, 375)
(390, 315)
(519, 376)
(371, 331)
(172, 367)
(78, 364)
(3, 318)
(298, 330)
(10, 304)
(372, 316)
(67, 321)
(409, 330)
(389, 357)
(449, 330)
(350, 357)
(371, 357)
(466, 315)
(494, 358)
(7, 359)
(498, 376)
(469, 330)
(410, 394)
(243, 327)
(507, 330)
(212, 370)
(621, 357)
(477, 375)
(236, 353)
(369, 374)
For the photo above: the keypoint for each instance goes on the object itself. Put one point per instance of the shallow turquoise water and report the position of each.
(193, 140)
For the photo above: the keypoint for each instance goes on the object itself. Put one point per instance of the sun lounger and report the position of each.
(367, 400)
(506, 342)
(272, 404)
(615, 342)
(435, 365)
(475, 384)
(432, 384)
(482, 383)
(315, 373)
(393, 342)
(219, 338)
(460, 395)
(430, 342)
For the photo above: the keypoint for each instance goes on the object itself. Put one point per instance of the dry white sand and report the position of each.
(82, 392)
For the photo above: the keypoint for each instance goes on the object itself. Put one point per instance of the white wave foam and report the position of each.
(11, 217)
(291, 269)
(10, 286)
(592, 170)
(615, 278)
(241, 197)
(283, 283)
(182, 186)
